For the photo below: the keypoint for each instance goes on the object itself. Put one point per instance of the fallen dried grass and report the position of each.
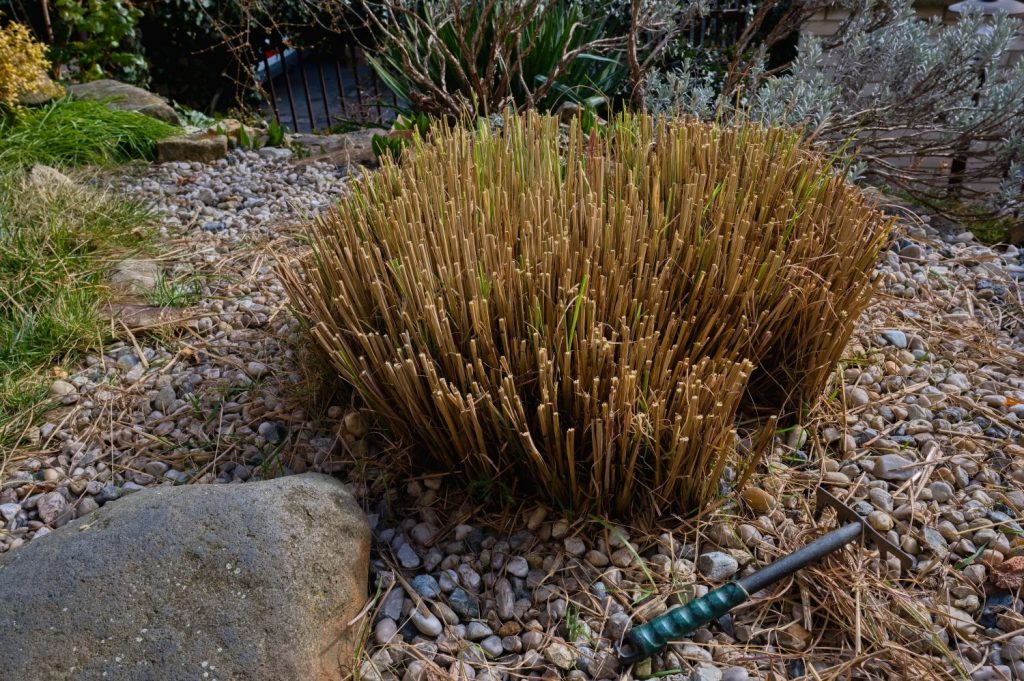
(586, 314)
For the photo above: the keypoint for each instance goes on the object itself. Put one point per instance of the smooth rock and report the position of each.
(735, 674)
(941, 491)
(880, 521)
(758, 500)
(135, 276)
(257, 581)
(385, 631)
(351, 148)
(192, 148)
(560, 655)
(717, 566)
(463, 603)
(9, 511)
(51, 506)
(425, 622)
(62, 388)
(275, 153)
(706, 672)
(894, 468)
(856, 396)
(956, 620)
(425, 586)
(895, 337)
(164, 401)
(408, 557)
(120, 96)
(518, 567)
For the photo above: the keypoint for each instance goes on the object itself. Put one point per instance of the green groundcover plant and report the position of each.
(69, 133)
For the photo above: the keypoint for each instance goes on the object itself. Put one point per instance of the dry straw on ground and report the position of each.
(587, 314)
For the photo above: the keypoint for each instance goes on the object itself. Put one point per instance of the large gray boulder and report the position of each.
(246, 582)
(125, 97)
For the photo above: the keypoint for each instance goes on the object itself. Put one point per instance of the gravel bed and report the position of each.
(920, 432)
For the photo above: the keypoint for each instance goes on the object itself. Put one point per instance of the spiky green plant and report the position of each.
(473, 59)
(585, 315)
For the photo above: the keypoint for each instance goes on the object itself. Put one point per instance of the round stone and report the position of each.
(880, 521)
(941, 491)
(717, 566)
(425, 623)
(385, 631)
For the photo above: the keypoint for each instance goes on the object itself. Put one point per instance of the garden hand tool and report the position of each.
(647, 639)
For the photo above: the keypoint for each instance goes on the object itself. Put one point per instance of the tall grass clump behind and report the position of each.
(69, 133)
(588, 315)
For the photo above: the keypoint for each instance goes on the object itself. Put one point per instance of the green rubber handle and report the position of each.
(677, 623)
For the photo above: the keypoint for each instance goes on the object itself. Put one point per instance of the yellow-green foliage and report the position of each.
(587, 315)
(23, 64)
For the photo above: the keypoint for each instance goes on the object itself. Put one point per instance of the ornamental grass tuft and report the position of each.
(590, 315)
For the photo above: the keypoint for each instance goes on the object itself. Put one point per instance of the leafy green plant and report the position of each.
(98, 39)
(190, 116)
(585, 316)
(404, 127)
(245, 141)
(275, 134)
(70, 133)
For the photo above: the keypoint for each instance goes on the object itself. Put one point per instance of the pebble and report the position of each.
(61, 388)
(895, 338)
(407, 557)
(717, 566)
(416, 671)
(9, 511)
(706, 672)
(50, 507)
(857, 397)
(758, 500)
(256, 369)
(492, 646)
(464, 604)
(86, 506)
(165, 398)
(426, 623)
(894, 467)
(518, 567)
(476, 631)
(880, 521)
(426, 586)
(384, 631)
(575, 546)
(956, 620)
(560, 655)
(941, 491)
(1013, 649)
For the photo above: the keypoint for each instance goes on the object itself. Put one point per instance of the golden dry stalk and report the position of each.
(585, 315)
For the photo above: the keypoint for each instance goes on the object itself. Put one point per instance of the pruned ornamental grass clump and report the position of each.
(590, 315)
